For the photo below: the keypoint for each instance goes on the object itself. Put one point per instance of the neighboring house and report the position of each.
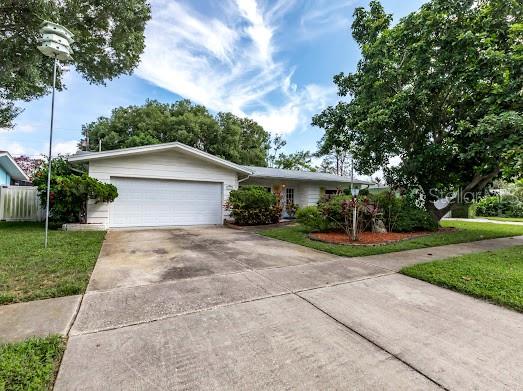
(10, 172)
(174, 184)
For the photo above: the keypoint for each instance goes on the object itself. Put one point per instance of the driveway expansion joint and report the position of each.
(435, 382)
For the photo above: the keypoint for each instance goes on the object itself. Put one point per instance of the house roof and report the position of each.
(83, 156)
(279, 173)
(11, 167)
(252, 171)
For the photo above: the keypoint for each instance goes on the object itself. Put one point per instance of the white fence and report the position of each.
(20, 203)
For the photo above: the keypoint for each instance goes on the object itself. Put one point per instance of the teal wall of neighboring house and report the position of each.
(5, 179)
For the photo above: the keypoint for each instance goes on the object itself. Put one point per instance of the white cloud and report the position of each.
(296, 112)
(65, 147)
(15, 149)
(228, 62)
(25, 127)
(59, 148)
(325, 16)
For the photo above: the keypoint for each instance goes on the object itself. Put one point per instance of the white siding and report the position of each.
(311, 193)
(305, 192)
(156, 165)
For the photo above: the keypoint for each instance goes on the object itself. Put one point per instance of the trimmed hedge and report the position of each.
(499, 206)
(311, 218)
(253, 205)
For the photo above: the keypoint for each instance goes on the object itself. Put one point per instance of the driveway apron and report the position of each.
(216, 308)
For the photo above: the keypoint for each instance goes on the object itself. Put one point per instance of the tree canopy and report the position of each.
(240, 140)
(442, 90)
(299, 160)
(109, 39)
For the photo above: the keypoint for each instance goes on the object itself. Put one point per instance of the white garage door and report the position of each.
(152, 202)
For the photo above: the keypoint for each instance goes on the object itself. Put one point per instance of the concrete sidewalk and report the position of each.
(37, 318)
(314, 321)
(483, 220)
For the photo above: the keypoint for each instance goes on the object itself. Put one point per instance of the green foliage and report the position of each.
(441, 89)
(499, 206)
(300, 160)
(397, 213)
(109, 39)
(253, 205)
(31, 364)
(311, 218)
(401, 215)
(364, 193)
(239, 140)
(412, 218)
(464, 211)
(70, 191)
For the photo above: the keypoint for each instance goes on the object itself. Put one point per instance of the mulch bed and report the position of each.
(366, 238)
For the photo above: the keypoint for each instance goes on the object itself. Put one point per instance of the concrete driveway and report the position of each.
(215, 308)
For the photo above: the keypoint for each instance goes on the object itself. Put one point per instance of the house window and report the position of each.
(289, 196)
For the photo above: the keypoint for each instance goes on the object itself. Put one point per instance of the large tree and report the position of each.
(299, 160)
(109, 39)
(337, 144)
(442, 90)
(239, 140)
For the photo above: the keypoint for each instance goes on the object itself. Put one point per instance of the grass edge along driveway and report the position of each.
(465, 232)
(28, 271)
(31, 364)
(495, 276)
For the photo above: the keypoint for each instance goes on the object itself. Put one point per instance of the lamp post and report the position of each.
(55, 43)
(354, 192)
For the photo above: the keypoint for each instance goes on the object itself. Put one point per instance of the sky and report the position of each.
(272, 61)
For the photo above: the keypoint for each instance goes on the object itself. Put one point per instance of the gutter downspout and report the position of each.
(244, 179)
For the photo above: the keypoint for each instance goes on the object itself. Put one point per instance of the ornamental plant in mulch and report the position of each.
(381, 218)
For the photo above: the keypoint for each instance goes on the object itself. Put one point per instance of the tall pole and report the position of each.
(353, 192)
(50, 156)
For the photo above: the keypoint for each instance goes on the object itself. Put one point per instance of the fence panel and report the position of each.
(20, 203)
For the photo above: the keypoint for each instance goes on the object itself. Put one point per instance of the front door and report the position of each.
(288, 201)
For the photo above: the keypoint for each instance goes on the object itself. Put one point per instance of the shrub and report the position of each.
(464, 211)
(312, 219)
(502, 206)
(400, 215)
(338, 212)
(364, 192)
(70, 191)
(412, 218)
(253, 205)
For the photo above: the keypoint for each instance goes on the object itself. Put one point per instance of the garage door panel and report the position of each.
(151, 202)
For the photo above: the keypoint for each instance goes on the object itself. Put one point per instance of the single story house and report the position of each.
(173, 184)
(10, 171)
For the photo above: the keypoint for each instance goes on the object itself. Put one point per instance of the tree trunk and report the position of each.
(478, 183)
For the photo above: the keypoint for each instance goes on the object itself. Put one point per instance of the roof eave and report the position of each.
(335, 180)
(157, 148)
(16, 172)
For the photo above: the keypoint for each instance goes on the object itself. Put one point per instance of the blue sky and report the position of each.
(272, 61)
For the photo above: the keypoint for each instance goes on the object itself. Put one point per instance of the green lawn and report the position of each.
(31, 364)
(466, 232)
(517, 219)
(496, 276)
(30, 272)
